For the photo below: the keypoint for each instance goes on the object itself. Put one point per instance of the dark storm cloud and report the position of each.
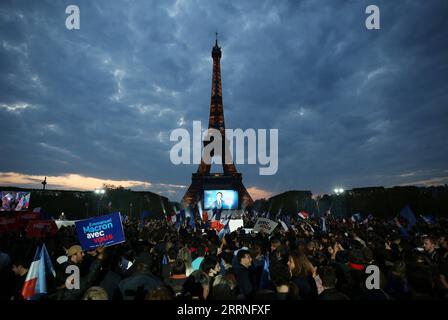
(353, 107)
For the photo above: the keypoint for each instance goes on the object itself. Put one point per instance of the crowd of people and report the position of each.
(160, 261)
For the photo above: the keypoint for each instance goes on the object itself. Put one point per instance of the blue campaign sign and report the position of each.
(100, 231)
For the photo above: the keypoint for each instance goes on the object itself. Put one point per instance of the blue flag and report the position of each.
(404, 232)
(182, 214)
(45, 266)
(178, 221)
(192, 223)
(279, 213)
(265, 281)
(222, 265)
(409, 216)
(189, 216)
(287, 220)
(143, 216)
(180, 218)
(48, 263)
(356, 217)
(323, 224)
(429, 219)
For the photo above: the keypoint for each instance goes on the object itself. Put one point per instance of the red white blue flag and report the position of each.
(304, 215)
(35, 284)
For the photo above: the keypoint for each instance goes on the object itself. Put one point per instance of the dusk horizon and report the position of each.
(85, 184)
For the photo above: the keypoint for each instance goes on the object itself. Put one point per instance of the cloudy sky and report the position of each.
(354, 107)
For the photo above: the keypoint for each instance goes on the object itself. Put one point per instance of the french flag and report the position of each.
(304, 215)
(225, 230)
(171, 218)
(35, 284)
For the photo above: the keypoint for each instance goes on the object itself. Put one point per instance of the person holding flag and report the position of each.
(20, 270)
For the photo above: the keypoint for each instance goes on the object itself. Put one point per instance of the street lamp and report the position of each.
(338, 201)
(99, 193)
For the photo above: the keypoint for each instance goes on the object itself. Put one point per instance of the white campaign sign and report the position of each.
(65, 223)
(234, 224)
(265, 225)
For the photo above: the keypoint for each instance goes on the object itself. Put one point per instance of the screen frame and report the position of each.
(236, 207)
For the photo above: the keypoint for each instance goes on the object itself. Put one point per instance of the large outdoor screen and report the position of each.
(220, 199)
(15, 201)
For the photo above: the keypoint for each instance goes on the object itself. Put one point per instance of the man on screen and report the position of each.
(218, 203)
(217, 206)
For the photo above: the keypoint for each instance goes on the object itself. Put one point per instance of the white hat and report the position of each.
(62, 259)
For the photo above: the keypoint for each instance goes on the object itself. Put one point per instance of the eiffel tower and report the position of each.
(230, 179)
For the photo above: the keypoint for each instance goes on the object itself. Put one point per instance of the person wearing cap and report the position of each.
(75, 255)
